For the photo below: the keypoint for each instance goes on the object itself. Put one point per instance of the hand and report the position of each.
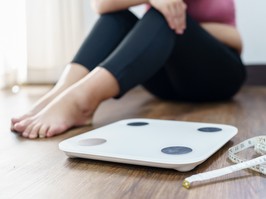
(174, 12)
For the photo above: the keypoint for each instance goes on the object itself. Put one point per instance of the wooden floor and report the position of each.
(38, 169)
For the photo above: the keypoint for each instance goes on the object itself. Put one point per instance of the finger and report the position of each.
(180, 17)
(168, 16)
(173, 14)
(181, 25)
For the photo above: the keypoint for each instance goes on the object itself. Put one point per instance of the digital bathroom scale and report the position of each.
(151, 142)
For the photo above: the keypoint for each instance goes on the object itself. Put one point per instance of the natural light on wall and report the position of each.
(38, 38)
(55, 29)
(12, 42)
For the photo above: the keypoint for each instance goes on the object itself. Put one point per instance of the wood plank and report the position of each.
(38, 169)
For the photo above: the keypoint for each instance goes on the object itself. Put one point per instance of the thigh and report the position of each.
(104, 37)
(200, 68)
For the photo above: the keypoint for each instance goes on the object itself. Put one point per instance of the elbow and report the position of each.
(100, 6)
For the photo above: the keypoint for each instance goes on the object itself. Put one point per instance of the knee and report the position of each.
(123, 18)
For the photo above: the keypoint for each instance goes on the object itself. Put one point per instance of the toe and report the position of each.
(34, 133)
(21, 126)
(12, 127)
(42, 131)
(15, 120)
(56, 130)
(27, 131)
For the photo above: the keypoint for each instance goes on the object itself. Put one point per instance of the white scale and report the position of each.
(150, 142)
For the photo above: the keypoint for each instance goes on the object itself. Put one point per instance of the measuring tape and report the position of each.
(256, 164)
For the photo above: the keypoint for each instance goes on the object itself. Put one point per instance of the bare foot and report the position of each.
(33, 111)
(73, 107)
(72, 73)
(64, 112)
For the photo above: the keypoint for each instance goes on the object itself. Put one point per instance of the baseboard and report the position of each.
(256, 75)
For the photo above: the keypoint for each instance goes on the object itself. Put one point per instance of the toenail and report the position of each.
(24, 134)
(41, 136)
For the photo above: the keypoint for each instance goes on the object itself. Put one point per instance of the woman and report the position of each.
(179, 50)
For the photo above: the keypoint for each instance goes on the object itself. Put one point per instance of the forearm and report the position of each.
(105, 6)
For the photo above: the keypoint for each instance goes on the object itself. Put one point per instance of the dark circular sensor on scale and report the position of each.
(209, 129)
(176, 150)
(137, 124)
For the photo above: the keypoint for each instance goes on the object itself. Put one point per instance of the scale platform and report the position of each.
(151, 142)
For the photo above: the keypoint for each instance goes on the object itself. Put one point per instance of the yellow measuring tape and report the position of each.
(256, 164)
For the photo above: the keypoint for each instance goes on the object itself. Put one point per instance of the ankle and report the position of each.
(104, 84)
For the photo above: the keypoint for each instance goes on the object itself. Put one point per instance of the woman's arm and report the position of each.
(105, 6)
(172, 10)
(227, 34)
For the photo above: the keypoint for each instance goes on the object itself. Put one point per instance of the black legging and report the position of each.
(194, 66)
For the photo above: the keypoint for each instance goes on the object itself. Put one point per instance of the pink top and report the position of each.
(221, 11)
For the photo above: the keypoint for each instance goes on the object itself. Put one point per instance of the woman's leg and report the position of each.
(200, 69)
(141, 53)
(108, 31)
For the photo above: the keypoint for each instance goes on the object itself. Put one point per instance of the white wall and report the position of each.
(90, 16)
(251, 19)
